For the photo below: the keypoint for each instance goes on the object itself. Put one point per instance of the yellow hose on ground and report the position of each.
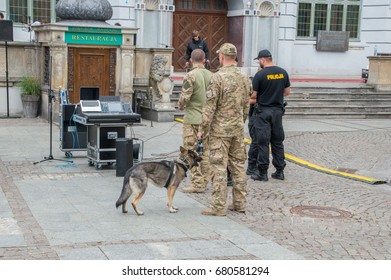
(310, 165)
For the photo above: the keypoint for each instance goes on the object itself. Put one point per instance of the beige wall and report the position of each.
(23, 60)
(28, 59)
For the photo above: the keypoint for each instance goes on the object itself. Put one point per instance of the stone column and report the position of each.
(58, 76)
(126, 71)
(59, 67)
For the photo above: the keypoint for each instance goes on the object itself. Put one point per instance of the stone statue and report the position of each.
(159, 80)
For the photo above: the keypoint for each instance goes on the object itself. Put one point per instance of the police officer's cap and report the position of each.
(263, 53)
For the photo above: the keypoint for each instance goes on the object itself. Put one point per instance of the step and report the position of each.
(335, 115)
(369, 103)
(339, 108)
(330, 103)
(340, 95)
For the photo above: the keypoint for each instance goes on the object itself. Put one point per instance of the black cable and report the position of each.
(160, 133)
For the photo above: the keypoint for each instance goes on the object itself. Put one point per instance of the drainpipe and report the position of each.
(255, 45)
(275, 35)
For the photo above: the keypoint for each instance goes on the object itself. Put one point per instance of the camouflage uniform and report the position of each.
(224, 114)
(193, 96)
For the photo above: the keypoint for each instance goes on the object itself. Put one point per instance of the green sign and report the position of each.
(85, 38)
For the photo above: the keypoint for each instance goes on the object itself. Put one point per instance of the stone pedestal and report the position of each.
(158, 112)
(160, 90)
(380, 72)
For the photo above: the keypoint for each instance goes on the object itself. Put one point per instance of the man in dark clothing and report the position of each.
(196, 42)
(269, 88)
(253, 151)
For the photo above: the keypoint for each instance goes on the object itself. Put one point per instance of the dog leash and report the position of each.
(172, 163)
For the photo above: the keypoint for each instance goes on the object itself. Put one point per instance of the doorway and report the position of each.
(90, 68)
(209, 18)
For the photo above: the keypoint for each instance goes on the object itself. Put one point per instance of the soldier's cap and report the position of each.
(263, 53)
(227, 49)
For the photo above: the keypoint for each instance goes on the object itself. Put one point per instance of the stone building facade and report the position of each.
(290, 29)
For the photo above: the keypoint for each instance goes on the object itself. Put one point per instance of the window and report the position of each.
(201, 5)
(29, 11)
(41, 11)
(330, 15)
(304, 20)
(185, 4)
(18, 11)
(352, 20)
(320, 18)
(336, 17)
(219, 5)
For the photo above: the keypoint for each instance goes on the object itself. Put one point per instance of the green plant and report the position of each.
(30, 86)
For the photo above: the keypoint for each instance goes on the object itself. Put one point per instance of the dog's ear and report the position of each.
(183, 150)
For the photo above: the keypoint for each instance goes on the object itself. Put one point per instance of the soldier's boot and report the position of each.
(251, 169)
(231, 207)
(260, 175)
(213, 212)
(192, 190)
(279, 174)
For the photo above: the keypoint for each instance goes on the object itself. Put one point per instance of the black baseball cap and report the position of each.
(263, 53)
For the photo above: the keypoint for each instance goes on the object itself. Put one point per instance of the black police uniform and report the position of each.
(270, 84)
(253, 151)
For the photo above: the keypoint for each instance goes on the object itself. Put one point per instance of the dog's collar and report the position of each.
(183, 165)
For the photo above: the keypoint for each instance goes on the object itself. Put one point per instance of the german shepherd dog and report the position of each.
(167, 174)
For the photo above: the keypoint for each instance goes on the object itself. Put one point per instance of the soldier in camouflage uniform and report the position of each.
(193, 97)
(224, 114)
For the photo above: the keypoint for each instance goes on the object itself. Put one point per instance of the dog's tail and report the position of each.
(119, 202)
(125, 193)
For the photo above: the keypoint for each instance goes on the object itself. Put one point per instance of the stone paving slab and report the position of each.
(81, 211)
(62, 210)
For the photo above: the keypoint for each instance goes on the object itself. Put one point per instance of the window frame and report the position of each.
(29, 16)
(214, 6)
(329, 24)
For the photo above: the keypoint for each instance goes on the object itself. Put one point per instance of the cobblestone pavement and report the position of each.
(313, 214)
(322, 229)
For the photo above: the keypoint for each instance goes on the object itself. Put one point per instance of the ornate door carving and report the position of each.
(211, 22)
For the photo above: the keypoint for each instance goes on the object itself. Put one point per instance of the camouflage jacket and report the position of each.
(226, 107)
(193, 94)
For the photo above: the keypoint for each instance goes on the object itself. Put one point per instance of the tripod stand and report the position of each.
(51, 97)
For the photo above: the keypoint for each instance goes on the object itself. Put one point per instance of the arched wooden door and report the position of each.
(207, 16)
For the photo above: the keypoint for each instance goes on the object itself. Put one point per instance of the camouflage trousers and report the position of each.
(200, 175)
(231, 152)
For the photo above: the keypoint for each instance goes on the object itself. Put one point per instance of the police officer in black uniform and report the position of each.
(269, 88)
